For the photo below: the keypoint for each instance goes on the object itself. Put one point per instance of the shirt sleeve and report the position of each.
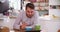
(18, 22)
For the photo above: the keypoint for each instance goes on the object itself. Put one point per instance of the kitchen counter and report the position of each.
(47, 23)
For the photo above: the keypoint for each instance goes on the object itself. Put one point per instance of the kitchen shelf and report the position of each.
(40, 5)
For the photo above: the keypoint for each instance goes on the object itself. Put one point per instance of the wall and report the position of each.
(54, 2)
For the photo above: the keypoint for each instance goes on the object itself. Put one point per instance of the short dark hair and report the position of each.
(30, 5)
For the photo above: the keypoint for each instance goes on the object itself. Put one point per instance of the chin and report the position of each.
(30, 16)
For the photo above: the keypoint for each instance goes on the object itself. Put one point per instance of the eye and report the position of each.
(28, 11)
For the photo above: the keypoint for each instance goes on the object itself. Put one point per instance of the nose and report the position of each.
(30, 13)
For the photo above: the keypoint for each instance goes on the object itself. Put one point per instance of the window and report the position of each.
(15, 4)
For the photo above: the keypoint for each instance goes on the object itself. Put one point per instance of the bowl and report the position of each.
(28, 28)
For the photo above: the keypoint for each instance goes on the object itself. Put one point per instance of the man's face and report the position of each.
(29, 12)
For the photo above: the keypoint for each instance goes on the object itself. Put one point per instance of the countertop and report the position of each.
(47, 23)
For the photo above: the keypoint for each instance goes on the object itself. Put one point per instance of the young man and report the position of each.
(29, 17)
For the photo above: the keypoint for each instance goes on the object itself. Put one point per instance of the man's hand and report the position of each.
(23, 26)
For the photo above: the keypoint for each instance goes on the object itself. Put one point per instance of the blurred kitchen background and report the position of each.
(49, 11)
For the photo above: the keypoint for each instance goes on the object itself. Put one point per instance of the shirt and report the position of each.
(23, 18)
